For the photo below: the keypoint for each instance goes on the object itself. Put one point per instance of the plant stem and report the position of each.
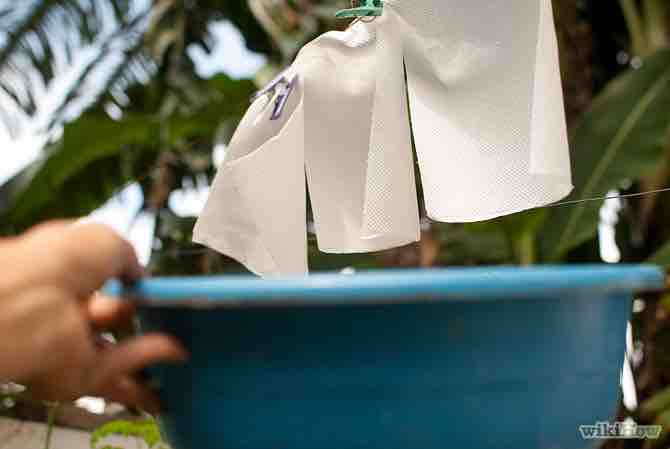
(51, 420)
(526, 249)
(656, 20)
(635, 27)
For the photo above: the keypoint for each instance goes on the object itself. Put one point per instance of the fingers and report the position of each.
(121, 362)
(106, 313)
(51, 226)
(79, 258)
(138, 353)
(129, 391)
(100, 254)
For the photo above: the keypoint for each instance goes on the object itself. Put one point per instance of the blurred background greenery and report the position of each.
(140, 112)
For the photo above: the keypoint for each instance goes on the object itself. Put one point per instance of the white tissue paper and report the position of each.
(487, 117)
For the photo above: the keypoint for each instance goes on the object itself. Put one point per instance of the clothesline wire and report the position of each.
(201, 251)
(606, 197)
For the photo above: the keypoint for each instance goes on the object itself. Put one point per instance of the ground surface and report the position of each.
(28, 435)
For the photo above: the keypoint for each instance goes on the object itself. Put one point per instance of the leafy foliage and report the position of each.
(661, 256)
(42, 38)
(168, 124)
(145, 430)
(96, 156)
(621, 138)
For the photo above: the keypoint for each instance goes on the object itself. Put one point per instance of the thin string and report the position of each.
(201, 251)
(607, 197)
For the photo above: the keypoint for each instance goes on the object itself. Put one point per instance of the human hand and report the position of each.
(50, 316)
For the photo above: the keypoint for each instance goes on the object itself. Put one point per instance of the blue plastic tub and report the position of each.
(487, 358)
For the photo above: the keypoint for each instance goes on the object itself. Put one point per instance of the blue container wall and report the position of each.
(508, 374)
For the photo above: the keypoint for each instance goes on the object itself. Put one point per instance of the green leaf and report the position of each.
(482, 243)
(620, 138)
(655, 405)
(98, 156)
(231, 99)
(80, 171)
(145, 430)
(661, 256)
(520, 231)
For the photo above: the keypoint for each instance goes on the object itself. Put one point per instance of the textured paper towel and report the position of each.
(488, 121)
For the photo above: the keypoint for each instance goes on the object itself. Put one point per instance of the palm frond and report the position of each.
(96, 49)
(44, 39)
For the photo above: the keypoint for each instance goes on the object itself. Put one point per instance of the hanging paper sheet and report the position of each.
(487, 117)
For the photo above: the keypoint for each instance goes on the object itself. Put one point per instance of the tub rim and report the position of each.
(392, 286)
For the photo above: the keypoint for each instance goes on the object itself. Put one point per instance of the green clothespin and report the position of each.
(366, 8)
